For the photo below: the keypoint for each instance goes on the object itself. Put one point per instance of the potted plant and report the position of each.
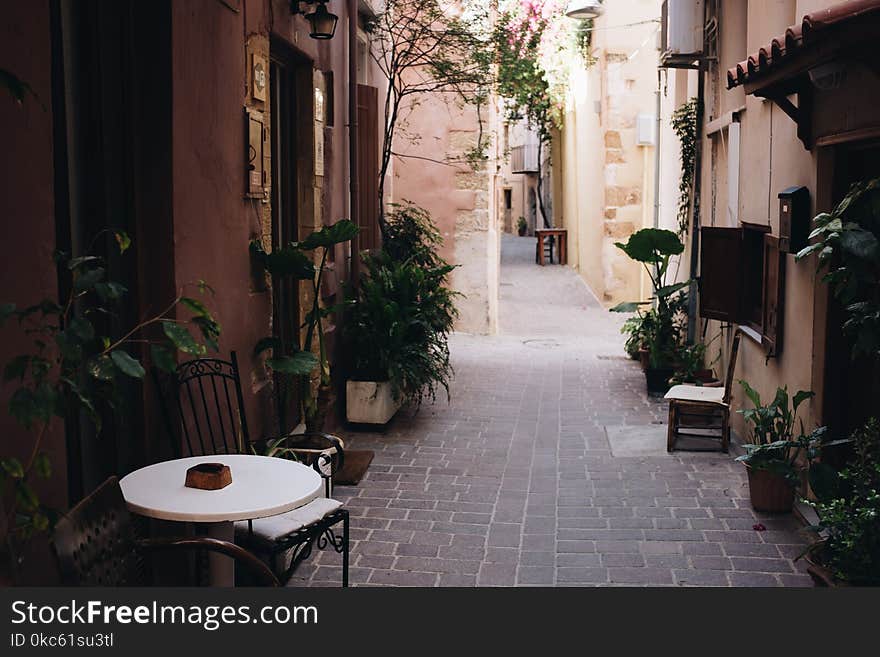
(521, 226)
(690, 366)
(298, 261)
(775, 457)
(633, 329)
(848, 507)
(661, 325)
(399, 321)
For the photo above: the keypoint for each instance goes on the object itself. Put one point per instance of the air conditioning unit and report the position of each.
(645, 130)
(681, 33)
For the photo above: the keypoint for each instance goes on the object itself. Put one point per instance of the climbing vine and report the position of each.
(684, 124)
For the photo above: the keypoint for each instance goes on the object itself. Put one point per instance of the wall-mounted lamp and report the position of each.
(584, 9)
(322, 21)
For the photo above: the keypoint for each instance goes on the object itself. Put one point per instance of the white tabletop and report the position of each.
(261, 486)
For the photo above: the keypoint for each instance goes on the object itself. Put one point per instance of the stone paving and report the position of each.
(513, 483)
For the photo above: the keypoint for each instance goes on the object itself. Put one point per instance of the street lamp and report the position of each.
(323, 23)
(584, 9)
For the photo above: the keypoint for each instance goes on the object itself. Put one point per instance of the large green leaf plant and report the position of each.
(73, 367)
(778, 441)
(304, 261)
(654, 249)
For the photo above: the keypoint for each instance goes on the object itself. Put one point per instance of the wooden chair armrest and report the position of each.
(257, 567)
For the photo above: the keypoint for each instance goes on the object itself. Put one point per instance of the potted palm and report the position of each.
(661, 324)
(521, 226)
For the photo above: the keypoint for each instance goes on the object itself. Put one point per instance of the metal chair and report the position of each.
(97, 544)
(203, 409)
(694, 411)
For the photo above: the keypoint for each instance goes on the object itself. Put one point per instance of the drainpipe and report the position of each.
(657, 156)
(354, 191)
(695, 221)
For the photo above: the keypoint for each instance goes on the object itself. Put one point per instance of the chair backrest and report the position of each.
(203, 407)
(731, 367)
(95, 542)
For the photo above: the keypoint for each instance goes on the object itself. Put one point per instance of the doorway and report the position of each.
(112, 106)
(286, 124)
(851, 386)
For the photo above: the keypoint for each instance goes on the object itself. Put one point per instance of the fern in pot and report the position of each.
(398, 322)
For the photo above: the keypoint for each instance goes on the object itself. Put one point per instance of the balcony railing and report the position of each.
(524, 159)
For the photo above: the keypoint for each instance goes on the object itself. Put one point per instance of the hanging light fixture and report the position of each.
(322, 22)
(584, 9)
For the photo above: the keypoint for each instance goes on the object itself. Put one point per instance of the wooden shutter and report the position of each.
(368, 167)
(720, 273)
(773, 308)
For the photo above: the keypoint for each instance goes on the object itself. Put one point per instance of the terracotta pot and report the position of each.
(644, 356)
(770, 492)
(705, 376)
(657, 379)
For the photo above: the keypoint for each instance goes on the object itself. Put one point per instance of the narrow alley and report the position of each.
(548, 467)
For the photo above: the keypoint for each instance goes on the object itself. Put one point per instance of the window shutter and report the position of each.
(774, 295)
(720, 273)
(368, 167)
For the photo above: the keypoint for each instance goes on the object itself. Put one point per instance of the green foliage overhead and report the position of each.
(849, 254)
(422, 48)
(520, 78)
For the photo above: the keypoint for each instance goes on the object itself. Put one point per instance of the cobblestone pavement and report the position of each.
(513, 482)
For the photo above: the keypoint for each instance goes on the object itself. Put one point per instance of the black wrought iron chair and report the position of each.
(204, 413)
(97, 544)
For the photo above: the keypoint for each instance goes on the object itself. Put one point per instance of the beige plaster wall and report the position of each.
(433, 174)
(607, 179)
(771, 159)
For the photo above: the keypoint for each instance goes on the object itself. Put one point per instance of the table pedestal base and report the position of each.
(221, 568)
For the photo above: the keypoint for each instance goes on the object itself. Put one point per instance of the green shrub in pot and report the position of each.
(848, 506)
(779, 449)
(398, 323)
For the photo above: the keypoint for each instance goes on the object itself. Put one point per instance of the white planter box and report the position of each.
(369, 402)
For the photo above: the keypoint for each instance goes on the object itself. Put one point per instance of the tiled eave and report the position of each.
(847, 31)
(817, 38)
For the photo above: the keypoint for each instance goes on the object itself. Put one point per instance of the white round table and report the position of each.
(261, 486)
